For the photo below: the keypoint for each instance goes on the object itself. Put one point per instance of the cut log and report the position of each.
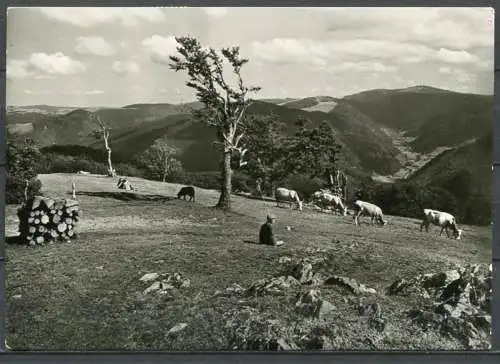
(68, 220)
(61, 227)
(37, 212)
(71, 203)
(31, 220)
(59, 212)
(41, 229)
(45, 219)
(70, 233)
(37, 221)
(54, 233)
(32, 213)
(39, 240)
(53, 212)
(48, 202)
(32, 229)
(36, 202)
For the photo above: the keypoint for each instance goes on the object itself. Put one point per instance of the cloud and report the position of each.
(47, 64)
(124, 67)
(94, 46)
(160, 48)
(458, 74)
(216, 12)
(318, 53)
(56, 64)
(18, 70)
(367, 66)
(89, 17)
(459, 57)
(94, 92)
(458, 28)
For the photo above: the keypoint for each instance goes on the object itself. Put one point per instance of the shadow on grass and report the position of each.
(13, 240)
(251, 197)
(251, 242)
(128, 196)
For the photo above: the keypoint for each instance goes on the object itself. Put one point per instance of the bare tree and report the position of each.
(104, 132)
(224, 105)
(160, 160)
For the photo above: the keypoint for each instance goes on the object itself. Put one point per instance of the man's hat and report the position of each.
(271, 217)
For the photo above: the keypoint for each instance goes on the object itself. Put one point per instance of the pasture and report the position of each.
(86, 295)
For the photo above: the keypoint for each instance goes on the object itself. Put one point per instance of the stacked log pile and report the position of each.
(45, 220)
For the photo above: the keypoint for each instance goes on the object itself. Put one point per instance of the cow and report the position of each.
(443, 219)
(83, 172)
(324, 198)
(284, 195)
(124, 184)
(186, 191)
(366, 208)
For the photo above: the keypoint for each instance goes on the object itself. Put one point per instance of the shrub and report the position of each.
(22, 164)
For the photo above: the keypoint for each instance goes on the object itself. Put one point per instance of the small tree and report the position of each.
(264, 137)
(104, 131)
(314, 151)
(224, 105)
(23, 157)
(160, 161)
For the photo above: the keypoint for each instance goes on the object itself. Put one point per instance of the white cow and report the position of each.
(284, 195)
(443, 219)
(324, 199)
(366, 208)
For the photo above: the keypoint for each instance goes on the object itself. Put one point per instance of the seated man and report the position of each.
(266, 235)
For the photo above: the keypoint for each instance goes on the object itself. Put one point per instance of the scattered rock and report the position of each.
(311, 304)
(350, 284)
(164, 282)
(149, 277)
(303, 272)
(272, 285)
(177, 328)
(460, 301)
(284, 260)
(284, 345)
(154, 287)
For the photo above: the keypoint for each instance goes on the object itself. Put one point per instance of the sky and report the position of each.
(119, 56)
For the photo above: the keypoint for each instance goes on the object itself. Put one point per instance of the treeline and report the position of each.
(409, 199)
(302, 161)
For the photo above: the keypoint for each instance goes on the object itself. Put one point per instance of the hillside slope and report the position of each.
(94, 299)
(434, 117)
(466, 172)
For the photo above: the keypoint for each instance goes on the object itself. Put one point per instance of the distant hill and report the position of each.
(378, 129)
(433, 116)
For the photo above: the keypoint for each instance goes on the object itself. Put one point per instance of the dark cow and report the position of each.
(186, 191)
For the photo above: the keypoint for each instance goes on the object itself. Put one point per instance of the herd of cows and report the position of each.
(325, 199)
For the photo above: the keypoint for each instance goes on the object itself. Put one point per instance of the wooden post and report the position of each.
(26, 191)
(73, 189)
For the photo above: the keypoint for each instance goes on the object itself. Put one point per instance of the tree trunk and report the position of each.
(225, 196)
(111, 171)
(164, 176)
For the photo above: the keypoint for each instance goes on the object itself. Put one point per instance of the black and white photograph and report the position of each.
(249, 178)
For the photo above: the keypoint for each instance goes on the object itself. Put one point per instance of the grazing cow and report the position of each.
(124, 184)
(186, 191)
(366, 208)
(284, 195)
(443, 219)
(324, 199)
